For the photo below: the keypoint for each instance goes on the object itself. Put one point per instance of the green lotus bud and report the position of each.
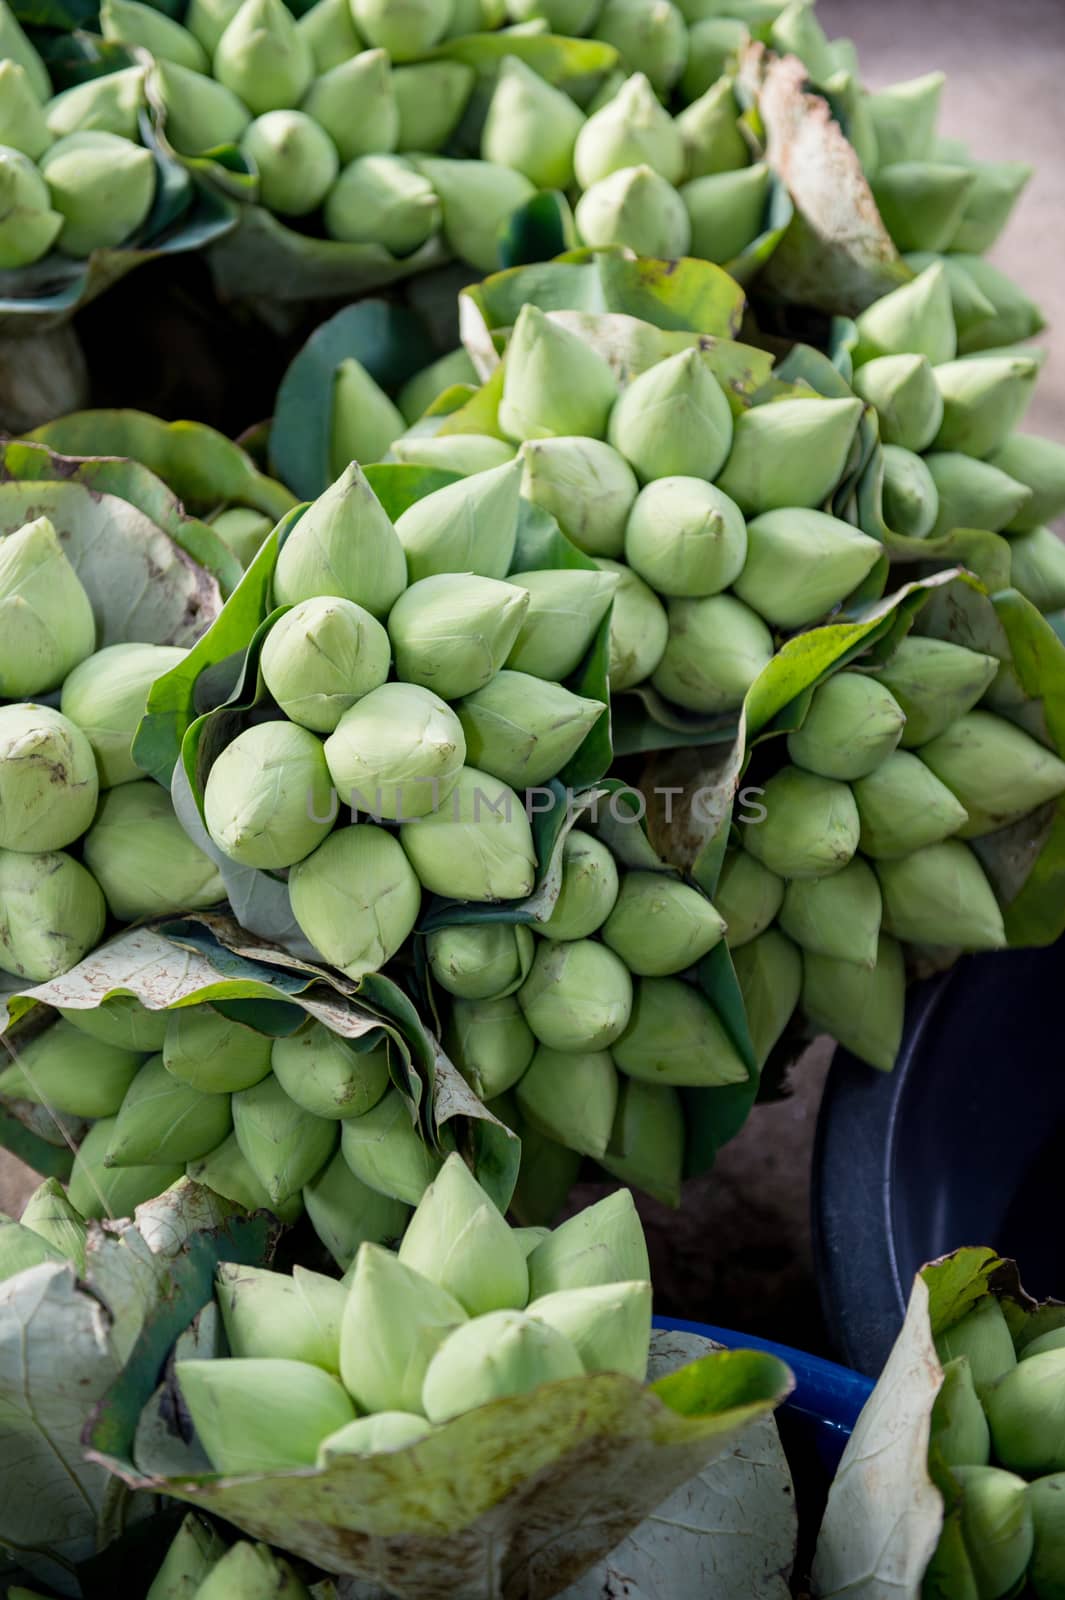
(985, 1548)
(70, 1072)
(995, 192)
(283, 1144)
(808, 442)
(571, 1097)
(343, 545)
(801, 563)
(647, 1146)
(386, 1152)
(578, 995)
(258, 1414)
(50, 1215)
(264, 58)
(863, 1007)
(959, 1434)
(406, 31)
(553, 383)
(467, 527)
(769, 972)
(130, 23)
(200, 113)
(990, 309)
(108, 104)
(1025, 1410)
(382, 200)
(458, 1240)
(394, 1321)
(837, 916)
(639, 628)
(430, 98)
(674, 1036)
(852, 726)
(531, 126)
(194, 1550)
(904, 807)
(922, 202)
(54, 913)
(329, 1075)
(904, 116)
(940, 895)
(364, 81)
(28, 227)
(22, 121)
(661, 925)
(345, 1212)
(420, 392)
(673, 420)
(684, 537)
(748, 896)
(490, 1042)
(213, 1053)
(477, 198)
(251, 1569)
(225, 1170)
(243, 530)
(972, 494)
(480, 960)
(296, 161)
(451, 633)
(101, 185)
(1039, 465)
(609, 1324)
(997, 771)
(500, 1354)
(648, 34)
(585, 485)
(273, 1316)
(164, 1120)
(710, 131)
(96, 1190)
(603, 1244)
(934, 682)
(319, 659)
(903, 390)
(525, 729)
(984, 398)
(910, 498)
(917, 319)
(637, 208)
(267, 802)
(106, 696)
(1046, 1572)
(46, 620)
(207, 20)
(797, 32)
(714, 43)
(48, 784)
(726, 210)
(121, 1021)
(397, 753)
(1054, 1340)
(478, 846)
(1037, 568)
(566, 607)
(355, 898)
(464, 453)
(810, 828)
(633, 129)
(15, 46)
(588, 891)
(21, 1248)
(367, 1436)
(973, 309)
(715, 650)
(570, 18)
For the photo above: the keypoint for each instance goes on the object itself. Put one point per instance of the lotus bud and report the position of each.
(684, 537)
(568, 17)
(243, 530)
(647, 1146)
(674, 1036)
(801, 564)
(503, 1353)
(910, 498)
(194, 1550)
(1054, 1340)
(673, 420)
(102, 186)
(648, 34)
(200, 113)
(808, 442)
(319, 659)
(862, 1007)
(355, 898)
(467, 527)
(922, 202)
(715, 650)
(394, 1320)
(638, 209)
(480, 960)
(271, 1315)
(984, 398)
(386, 1152)
(578, 996)
(463, 453)
(1039, 465)
(531, 126)
(995, 192)
(406, 31)
(397, 753)
(633, 129)
(797, 32)
(367, 1436)
(430, 98)
(268, 800)
(904, 116)
(264, 58)
(106, 696)
(710, 131)
(46, 620)
(452, 632)
(225, 1170)
(15, 46)
(50, 1215)
(458, 1240)
(477, 846)
(603, 1244)
(585, 485)
(490, 1042)
(917, 319)
(364, 81)
(296, 161)
(998, 310)
(571, 1098)
(837, 916)
(21, 1248)
(71, 1072)
(108, 104)
(419, 392)
(163, 1120)
(940, 895)
(934, 682)
(22, 121)
(714, 43)
(382, 200)
(661, 925)
(121, 1021)
(343, 545)
(28, 226)
(1046, 1572)
(525, 729)
(639, 628)
(1025, 1409)
(284, 1145)
(959, 1434)
(852, 726)
(810, 828)
(130, 23)
(588, 891)
(726, 210)
(610, 1325)
(213, 1053)
(748, 896)
(346, 1213)
(207, 21)
(96, 1190)
(972, 494)
(54, 913)
(903, 807)
(986, 1546)
(477, 198)
(1037, 568)
(903, 390)
(566, 607)
(769, 972)
(258, 1414)
(553, 383)
(251, 1569)
(328, 1075)
(997, 771)
(48, 784)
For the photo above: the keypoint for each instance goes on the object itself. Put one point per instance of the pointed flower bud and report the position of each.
(852, 725)
(807, 442)
(647, 1146)
(295, 159)
(162, 1119)
(810, 828)
(46, 621)
(50, 1215)
(109, 104)
(106, 696)
(837, 916)
(673, 420)
(263, 57)
(531, 126)
(769, 973)
(940, 895)
(393, 1323)
(748, 896)
(480, 960)
(490, 1042)
(648, 34)
(97, 1190)
(862, 1007)
(356, 898)
(101, 185)
(922, 202)
(243, 530)
(637, 208)
(710, 132)
(268, 802)
(213, 1053)
(326, 1074)
(406, 31)
(727, 211)
(585, 485)
(320, 658)
(986, 1549)
(603, 1244)
(675, 1037)
(192, 1553)
(477, 846)
(121, 1021)
(984, 398)
(382, 200)
(972, 494)
(54, 913)
(610, 1325)
(553, 383)
(346, 1213)
(571, 1097)
(248, 1569)
(478, 198)
(28, 225)
(77, 1075)
(908, 404)
(207, 21)
(588, 891)
(578, 995)
(904, 116)
(524, 729)
(21, 1248)
(397, 753)
(566, 607)
(1037, 568)
(368, 1436)
(801, 564)
(716, 649)
(910, 500)
(1039, 465)
(200, 113)
(500, 1354)
(272, 1315)
(917, 319)
(364, 81)
(48, 783)
(684, 537)
(343, 545)
(15, 46)
(225, 1170)
(430, 99)
(452, 632)
(959, 1434)
(458, 1239)
(254, 1414)
(934, 682)
(282, 1143)
(386, 1152)
(660, 925)
(632, 129)
(995, 192)
(997, 771)
(464, 453)
(1024, 1409)
(22, 121)
(639, 628)
(132, 23)
(467, 527)
(904, 807)
(1046, 1572)
(714, 44)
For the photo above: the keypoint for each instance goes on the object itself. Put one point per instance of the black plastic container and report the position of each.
(963, 1144)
